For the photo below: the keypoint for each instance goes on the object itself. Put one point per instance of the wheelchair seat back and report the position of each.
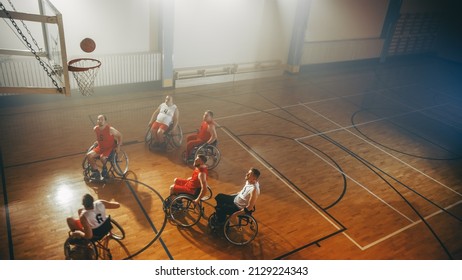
(102, 230)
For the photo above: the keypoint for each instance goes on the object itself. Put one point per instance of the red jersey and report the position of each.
(105, 139)
(204, 134)
(194, 181)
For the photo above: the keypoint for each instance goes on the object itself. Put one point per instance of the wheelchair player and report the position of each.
(207, 134)
(108, 138)
(165, 118)
(196, 185)
(91, 218)
(238, 204)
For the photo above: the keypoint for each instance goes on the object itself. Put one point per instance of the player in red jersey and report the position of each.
(196, 184)
(207, 134)
(108, 138)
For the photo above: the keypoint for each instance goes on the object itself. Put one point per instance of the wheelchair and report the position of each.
(241, 233)
(173, 137)
(181, 209)
(84, 249)
(118, 163)
(210, 151)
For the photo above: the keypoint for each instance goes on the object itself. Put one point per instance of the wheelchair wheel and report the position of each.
(86, 168)
(184, 212)
(242, 232)
(117, 232)
(120, 163)
(148, 136)
(80, 250)
(212, 153)
(212, 223)
(85, 165)
(176, 136)
(208, 195)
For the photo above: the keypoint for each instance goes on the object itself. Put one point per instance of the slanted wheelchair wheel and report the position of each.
(177, 136)
(184, 212)
(120, 163)
(82, 250)
(212, 153)
(85, 164)
(117, 232)
(86, 168)
(148, 136)
(212, 223)
(242, 231)
(208, 195)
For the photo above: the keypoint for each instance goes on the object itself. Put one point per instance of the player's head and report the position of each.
(208, 116)
(200, 160)
(87, 201)
(169, 100)
(252, 175)
(101, 120)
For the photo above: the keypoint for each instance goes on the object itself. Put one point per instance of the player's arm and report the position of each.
(250, 205)
(213, 134)
(110, 204)
(176, 118)
(118, 136)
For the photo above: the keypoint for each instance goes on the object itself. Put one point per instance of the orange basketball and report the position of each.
(88, 45)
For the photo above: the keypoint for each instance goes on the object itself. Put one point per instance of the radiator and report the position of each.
(114, 70)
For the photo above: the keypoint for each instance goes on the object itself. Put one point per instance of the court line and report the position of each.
(413, 223)
(423, 111)
(279, 108)
(384, 238)
(358, 183)
(363, 123)
(7, 209)
(272, 170)
(351, 239)
(151, 223)
(379, 148)
(407, 227)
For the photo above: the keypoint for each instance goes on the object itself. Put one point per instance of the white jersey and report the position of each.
(166, 113)
(95, 216)
(242, 198)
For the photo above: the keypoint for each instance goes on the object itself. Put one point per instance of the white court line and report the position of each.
(423, 111)
(280, 178)
(363, 248)
(279, 108)
(379, 148)
(358, 183)
(407, 227)
(295, 191)
(303, 198)
(360, 124)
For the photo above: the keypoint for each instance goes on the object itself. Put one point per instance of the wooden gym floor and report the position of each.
(357, 162)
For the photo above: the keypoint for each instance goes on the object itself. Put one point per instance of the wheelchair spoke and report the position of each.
(120, 163)
(184, 212)
(117, 232)
(242, 232)
(80, 250)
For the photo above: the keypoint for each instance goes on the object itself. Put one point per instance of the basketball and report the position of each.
(88, 45)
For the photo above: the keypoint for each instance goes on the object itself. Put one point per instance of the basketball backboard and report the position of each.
(29, 70)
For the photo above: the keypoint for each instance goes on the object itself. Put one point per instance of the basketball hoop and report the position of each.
(84, 71)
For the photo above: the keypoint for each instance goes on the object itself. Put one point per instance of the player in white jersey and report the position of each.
(165, 115)
(91, 217)
(241, 202)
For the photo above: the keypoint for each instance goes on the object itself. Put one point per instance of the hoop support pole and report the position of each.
(31, 17)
